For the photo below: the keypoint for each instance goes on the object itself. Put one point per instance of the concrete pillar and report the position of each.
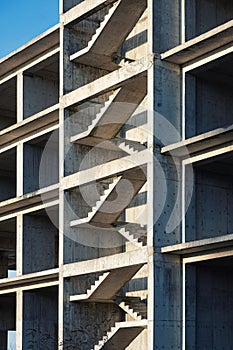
(167, 316)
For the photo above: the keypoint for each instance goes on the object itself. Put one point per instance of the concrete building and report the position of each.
(116, 179)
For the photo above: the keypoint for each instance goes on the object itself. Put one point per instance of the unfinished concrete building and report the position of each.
(116, 179)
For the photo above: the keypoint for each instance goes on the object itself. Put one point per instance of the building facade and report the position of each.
(116, 179)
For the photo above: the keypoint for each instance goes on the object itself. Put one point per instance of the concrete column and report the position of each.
(19, 320)
(167, 317)
(19, 96)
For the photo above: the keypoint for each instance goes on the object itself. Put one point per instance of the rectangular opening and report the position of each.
(91, 240)
(8, 321)
(40, 240)
(68, 4)
(40, 162)
(41, 86)
(11, 340)
(209, 96)
(8, 103)
(8, 174)
(40, 316)
(8, 248)
(210, 211)
(204, 15)
(209, 304)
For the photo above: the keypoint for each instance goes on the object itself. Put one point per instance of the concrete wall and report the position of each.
(8, 317)
(207, 98)
(8, 103)
(40, 165)
(8, 174)
(40, 329)
(209, 214)
(39, 93)
(40, 243)
(203, 15)
(208, 305)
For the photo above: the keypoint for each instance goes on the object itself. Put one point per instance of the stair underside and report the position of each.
(111, 285)
(117, 114)
(123, 335)
(111, 37)
(116, 202)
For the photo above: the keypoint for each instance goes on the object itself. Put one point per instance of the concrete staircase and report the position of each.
(121, 335)
(115, 113)
(108, 285)
(95, 209)
(77, 138)
(134, 233)
(115, 199)
(136, 308)
(104, 45)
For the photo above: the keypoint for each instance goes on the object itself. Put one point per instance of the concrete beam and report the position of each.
(117, 261)
(200, 246)
(28, 200)
(39, 122)
(110, 169)
(201, 45)
(199, 143)
(47, 277)
(43, 43)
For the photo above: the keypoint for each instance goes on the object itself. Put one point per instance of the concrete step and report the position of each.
(129, 146)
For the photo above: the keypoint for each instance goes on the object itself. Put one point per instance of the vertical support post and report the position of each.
(19, 184)
(19, 97)
(61, 192)
(166, 23)
(150, 184)
(19, 320)
(19, 245)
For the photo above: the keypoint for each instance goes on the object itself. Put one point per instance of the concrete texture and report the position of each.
(126, 243)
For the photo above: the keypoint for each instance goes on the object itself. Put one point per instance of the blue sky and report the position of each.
(22, 20)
